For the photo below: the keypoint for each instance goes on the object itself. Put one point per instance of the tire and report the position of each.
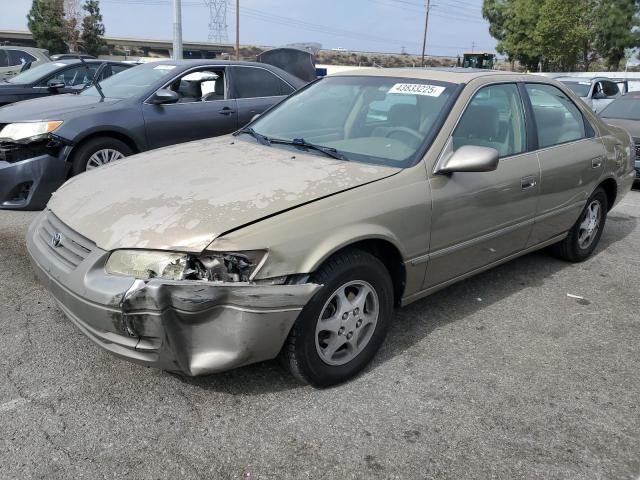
(84, 152)
(572, 248)
(306, 352)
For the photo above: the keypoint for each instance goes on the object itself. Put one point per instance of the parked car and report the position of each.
(13, 59)
(597, 92)
(298, 235)
(67, 56)
(625, 112)
(63, 76)
(45, 141)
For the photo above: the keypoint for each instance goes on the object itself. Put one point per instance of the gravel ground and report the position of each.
(500, 376)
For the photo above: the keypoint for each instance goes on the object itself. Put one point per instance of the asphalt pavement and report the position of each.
(531, 370)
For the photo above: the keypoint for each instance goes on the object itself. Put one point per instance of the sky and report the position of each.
(360, 25)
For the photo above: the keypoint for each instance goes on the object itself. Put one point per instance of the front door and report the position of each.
(203, 110)
(481, 218)
(571, 159)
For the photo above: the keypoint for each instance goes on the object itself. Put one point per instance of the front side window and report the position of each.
(18, 57)
(494, 118)
(610, 89)
(377, 120)
(251, 82)
(557, 118)
(203, 85)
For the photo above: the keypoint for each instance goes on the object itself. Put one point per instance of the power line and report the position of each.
(217, 21)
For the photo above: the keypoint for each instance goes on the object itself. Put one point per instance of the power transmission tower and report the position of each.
(218, 20)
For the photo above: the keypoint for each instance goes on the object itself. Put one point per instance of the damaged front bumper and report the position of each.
(192, 327)
(30, 173)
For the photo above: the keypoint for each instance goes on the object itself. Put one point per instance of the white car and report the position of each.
(597, 92)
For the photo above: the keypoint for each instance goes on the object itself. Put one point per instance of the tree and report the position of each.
(92, 29)
(563, 34)
(47, 25)
(562, 31)
(616, 24)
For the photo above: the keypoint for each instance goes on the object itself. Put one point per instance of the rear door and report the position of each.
(482, 217)
(256, 89)
(571, 160)
(204, 110)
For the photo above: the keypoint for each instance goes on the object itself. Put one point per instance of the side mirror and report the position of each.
(164, 96)
(55, 85)
(471, 158)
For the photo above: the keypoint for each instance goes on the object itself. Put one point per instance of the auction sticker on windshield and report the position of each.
(417, 89)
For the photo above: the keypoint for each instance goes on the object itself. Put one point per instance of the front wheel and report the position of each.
(97, 152)
(342, 327)
(583, 238)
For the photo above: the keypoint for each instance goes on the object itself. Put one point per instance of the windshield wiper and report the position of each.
(260, 138)
(302, 143)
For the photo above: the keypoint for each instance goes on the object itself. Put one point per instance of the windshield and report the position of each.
(579, 88)
(379, 120)
(131, 82)
(36, 73)
(626, 108)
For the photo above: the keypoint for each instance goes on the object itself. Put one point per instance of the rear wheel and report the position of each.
(97, 152)
(342, 327)
(583, 238)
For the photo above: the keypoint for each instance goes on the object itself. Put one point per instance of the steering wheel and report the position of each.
(404, 132)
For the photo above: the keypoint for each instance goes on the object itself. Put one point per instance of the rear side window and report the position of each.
(557, 118)
(250, 82)
(494, 118)
(18, 57)
(4, 59)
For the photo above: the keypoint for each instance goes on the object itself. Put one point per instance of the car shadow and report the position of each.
(410, 324)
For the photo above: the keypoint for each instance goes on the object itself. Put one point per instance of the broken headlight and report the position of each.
(210, 266)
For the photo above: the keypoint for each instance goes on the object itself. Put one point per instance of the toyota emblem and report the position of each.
(56, 240)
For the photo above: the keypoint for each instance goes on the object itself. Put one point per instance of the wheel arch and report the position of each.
(610, 187)
(384, 249)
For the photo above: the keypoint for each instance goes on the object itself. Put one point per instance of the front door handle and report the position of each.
(226, 111)
(528, 182)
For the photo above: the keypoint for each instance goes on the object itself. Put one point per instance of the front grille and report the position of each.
(637, 150)
(72, 248)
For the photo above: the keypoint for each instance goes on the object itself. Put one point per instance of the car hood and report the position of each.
(54, 107)
(183, 197)
(631, 126)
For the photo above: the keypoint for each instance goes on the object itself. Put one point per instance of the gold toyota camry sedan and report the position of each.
(298, 235)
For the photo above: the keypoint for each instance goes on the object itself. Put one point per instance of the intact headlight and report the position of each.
(24, 131)
(210, 266)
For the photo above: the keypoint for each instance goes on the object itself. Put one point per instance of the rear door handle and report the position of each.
(528, 182)
(596, 162)
(226, 111)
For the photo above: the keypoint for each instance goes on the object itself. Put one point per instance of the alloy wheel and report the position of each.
(102, 157)
(347, 322)
(589, 225)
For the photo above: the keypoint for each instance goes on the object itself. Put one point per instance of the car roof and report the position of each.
(72, 61)
(292, 79)
(451, 75)
(582, 79)
(26, 49)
